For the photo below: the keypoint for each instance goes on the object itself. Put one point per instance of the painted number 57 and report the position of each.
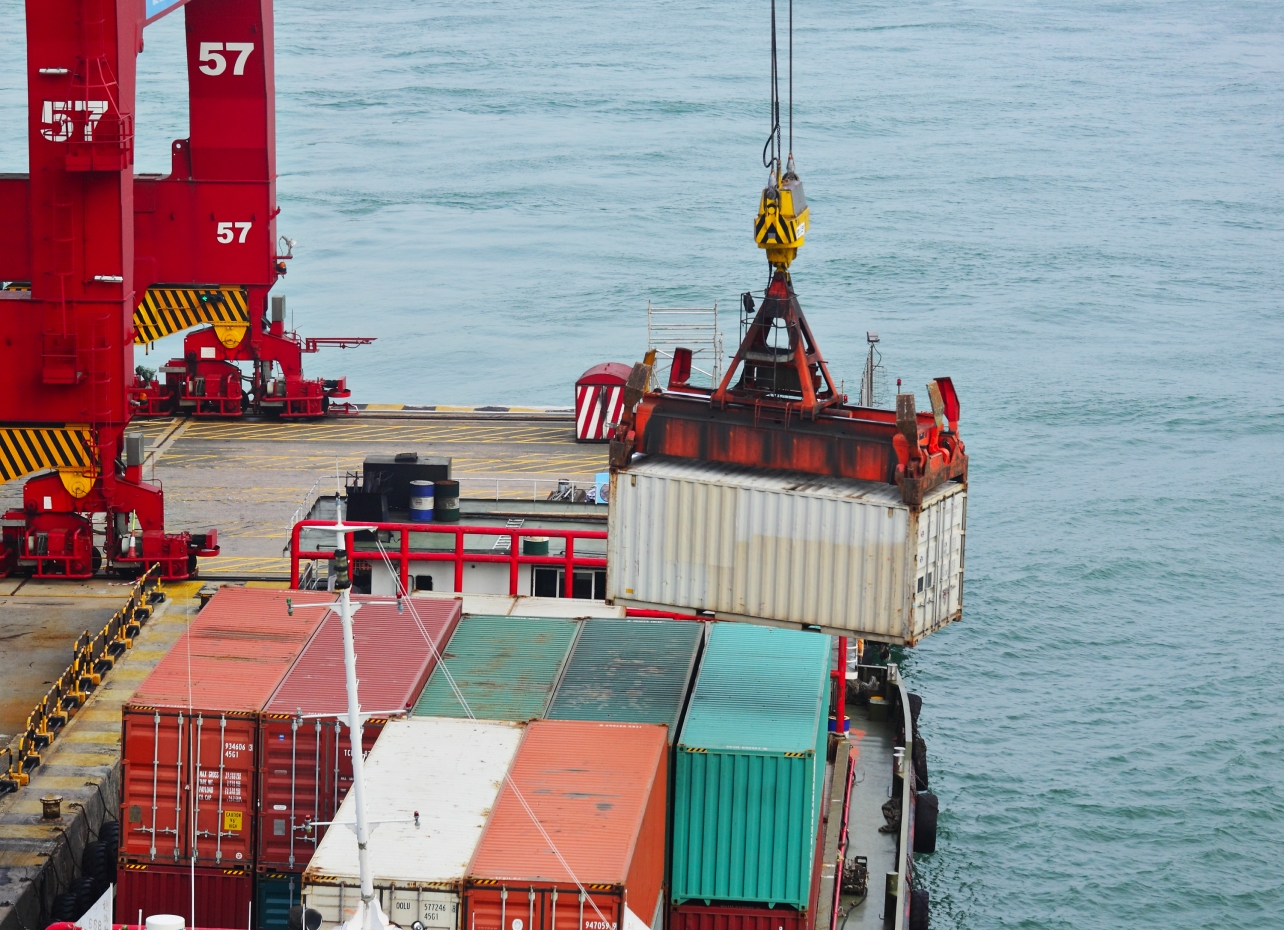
(213, 62)
(226, 233)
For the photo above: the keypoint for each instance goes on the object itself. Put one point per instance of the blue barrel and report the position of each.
(421, 501)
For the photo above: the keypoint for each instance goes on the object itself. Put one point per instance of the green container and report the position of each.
(505, 667)
(750, 768)
(629, 671)
(274, 894)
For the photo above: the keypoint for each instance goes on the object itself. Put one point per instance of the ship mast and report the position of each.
(369, 917)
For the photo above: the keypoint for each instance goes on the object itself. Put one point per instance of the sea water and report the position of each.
(1075, 209)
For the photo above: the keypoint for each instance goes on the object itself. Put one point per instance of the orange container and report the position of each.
(190, 731)
(599, 791)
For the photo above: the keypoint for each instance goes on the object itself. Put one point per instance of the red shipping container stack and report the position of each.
(189, 736)
(600, 792)
(222, 896)
(307, 760)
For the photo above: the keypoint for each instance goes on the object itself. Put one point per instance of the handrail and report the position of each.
(905, 859)
(92, 658)
(403, 555)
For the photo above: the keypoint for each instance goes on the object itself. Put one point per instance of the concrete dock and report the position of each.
(39, 858)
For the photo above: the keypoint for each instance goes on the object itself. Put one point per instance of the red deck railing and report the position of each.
(401, 555)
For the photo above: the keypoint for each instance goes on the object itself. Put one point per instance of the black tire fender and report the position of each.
(926, 807)
(919, 906)
(920, 762)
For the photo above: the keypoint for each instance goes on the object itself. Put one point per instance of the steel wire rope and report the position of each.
(187, 638)
(774, 134)
(404, 598)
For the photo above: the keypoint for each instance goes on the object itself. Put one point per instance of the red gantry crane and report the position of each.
(96, 261)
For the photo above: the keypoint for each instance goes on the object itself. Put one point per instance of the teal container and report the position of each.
(505, 667)
(629, 671)
(274, 894)
(750, 768)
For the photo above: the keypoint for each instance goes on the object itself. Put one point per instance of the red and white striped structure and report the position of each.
(599, 401)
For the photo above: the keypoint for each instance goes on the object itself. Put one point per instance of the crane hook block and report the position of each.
(782, 221)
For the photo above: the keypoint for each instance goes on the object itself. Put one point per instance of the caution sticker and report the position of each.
(232, 821)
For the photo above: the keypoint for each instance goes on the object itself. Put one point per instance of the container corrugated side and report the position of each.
(306, 764)
(795, 549)
(224, 668)
(750, 768)
(696, 915)
(506, 668)
(599, 792)
(629, 671)
(222, 895)
(449, 771)
(274, 894)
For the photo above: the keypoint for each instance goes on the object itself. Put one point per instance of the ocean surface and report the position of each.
(1076, 209)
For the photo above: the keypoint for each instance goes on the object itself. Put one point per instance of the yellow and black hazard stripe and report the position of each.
(772, 227)
(27, 449)
(167, 310)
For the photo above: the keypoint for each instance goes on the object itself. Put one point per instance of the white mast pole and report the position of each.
(343, 587)
(358, 763)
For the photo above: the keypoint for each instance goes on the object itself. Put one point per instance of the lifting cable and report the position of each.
(771, 156)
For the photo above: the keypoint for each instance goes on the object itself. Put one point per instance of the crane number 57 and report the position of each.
(213, 62)
(229, 232)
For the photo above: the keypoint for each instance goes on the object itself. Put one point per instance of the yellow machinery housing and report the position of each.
(783, 217)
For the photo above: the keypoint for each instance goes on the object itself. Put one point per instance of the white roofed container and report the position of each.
(789, 548)
(450, 772)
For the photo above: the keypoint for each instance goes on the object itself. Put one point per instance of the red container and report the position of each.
(222, 895)
(692, 916)
(190, 731)
(600, 792)
(306, 762)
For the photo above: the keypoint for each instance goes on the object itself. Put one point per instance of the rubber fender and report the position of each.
(926, 806)
(93, 860)
(920, 762)
(916, 707)
(64, 908)
(919, 901)
(84, 892)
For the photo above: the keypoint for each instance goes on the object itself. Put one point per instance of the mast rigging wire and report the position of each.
(404, 595)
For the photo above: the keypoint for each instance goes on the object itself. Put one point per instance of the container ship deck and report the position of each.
(255, 480)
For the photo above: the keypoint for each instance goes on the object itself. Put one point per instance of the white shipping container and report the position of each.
(448, 770)
(788, 548)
